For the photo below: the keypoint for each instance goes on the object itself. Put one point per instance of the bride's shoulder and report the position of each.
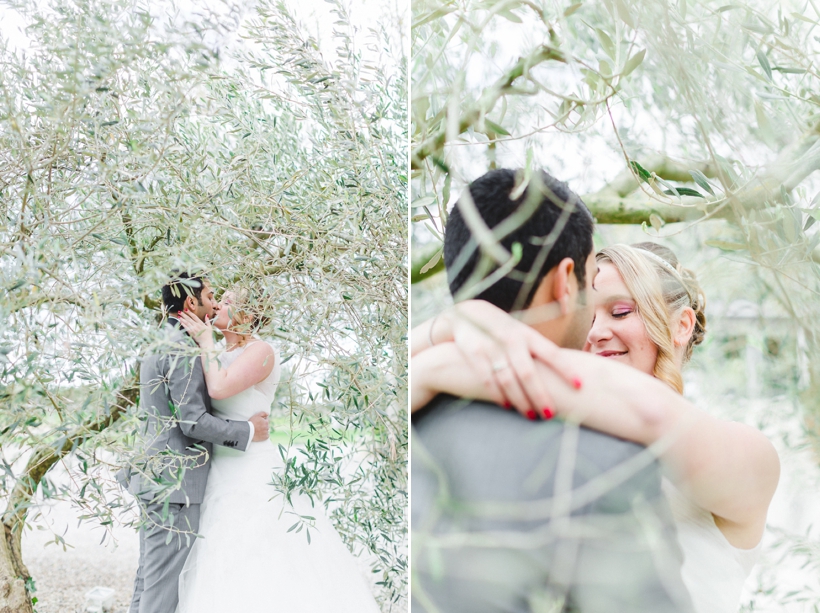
(263, 347)
(266, 341)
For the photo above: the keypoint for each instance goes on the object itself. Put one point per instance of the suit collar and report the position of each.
(174, 323)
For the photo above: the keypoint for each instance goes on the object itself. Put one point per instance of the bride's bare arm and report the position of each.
(255, 363)
(726, 467)
(499, 349)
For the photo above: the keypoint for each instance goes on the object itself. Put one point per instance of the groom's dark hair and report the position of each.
(555, 224)
(181, 285)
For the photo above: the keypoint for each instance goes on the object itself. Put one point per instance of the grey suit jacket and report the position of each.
(510, 515)
(179, 429)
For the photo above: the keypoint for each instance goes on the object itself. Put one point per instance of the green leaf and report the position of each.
(802, 17)
(606, 42)
(701, 180)
(785, 197)
(633, 62)
(727, 169)
(433, 261)
(764, 63)
(683, 191)
(642, 172)
(756, 28)
(510, 16)
(623, 13)
(572, 8)
(440, 163)
(656, 221)
(495, 127)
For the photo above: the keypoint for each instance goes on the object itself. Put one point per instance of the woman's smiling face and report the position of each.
(618, 332)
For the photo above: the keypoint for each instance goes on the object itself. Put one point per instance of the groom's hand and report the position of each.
(261, 427)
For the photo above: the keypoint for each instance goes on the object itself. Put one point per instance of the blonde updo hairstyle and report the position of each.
(247, 312)
(661, 288)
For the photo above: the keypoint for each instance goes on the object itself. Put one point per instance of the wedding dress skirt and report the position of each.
(247, 560)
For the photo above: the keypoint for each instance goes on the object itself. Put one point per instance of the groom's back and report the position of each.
(492, 531)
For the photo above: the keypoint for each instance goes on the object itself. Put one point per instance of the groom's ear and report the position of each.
(189, 304)
(563, 287)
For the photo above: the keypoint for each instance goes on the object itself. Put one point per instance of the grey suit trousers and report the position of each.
(163, 552)
(515, 516)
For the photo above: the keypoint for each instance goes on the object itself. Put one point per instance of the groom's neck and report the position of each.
(547, 320)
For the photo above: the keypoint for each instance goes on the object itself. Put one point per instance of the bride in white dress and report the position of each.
(248, 560)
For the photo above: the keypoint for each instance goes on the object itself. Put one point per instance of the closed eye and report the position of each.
(621, 314)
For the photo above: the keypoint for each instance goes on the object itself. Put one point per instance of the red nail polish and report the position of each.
(531, 414)
(548, 413)
(507, 405)
(576, 383)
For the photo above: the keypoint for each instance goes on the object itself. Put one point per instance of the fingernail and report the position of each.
(507, 405)
(547, 413)
(531, 414)
(576, 383)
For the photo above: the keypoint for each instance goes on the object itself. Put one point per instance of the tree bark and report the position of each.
(14, 597)
(622, 202)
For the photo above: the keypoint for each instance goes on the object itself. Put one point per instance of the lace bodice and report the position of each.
(256, 398)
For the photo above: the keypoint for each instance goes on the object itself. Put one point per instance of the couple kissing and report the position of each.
(214, 534)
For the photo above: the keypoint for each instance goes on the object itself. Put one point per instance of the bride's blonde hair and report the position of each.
(661, 288)
(247, 311)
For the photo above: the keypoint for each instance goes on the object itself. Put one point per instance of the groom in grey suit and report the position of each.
(514, 516)
(168, 477)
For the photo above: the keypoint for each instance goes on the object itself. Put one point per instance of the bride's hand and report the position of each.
(502, 351)
(201, 332)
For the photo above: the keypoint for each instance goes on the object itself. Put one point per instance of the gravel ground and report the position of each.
(62, 578)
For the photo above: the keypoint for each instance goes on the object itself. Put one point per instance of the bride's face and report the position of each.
(618, 332)
(223, 317)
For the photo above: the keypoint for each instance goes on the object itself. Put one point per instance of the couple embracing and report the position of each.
(606, 490)
(214, 534)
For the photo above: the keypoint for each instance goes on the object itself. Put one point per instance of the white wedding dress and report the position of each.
(714, 570)
(247, 560)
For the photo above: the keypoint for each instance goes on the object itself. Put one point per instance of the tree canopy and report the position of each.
(134, 141)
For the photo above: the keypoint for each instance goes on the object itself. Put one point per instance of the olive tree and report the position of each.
(135, 141)
(685, 118)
